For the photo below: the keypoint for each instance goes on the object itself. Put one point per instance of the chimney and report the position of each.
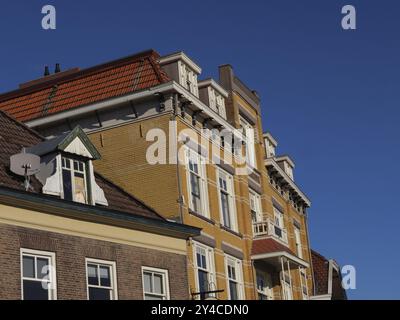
(46, 71)
(57, 69)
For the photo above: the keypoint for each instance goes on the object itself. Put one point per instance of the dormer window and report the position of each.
(74, 180)
(67, 168)
(183, 70)
(213, 95)
(189, 79)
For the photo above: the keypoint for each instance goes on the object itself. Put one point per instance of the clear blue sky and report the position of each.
(331, 97)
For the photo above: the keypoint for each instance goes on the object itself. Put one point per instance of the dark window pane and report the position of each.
(147, 282)
(225, 210)
(203, 284)
(67, 183)
(199, 260)
(158, 284)
(92, 275)
(233, 290)
(105, 279)
(99, 294)
(33, 290)
(203, 261)
(42, 267)
(28, 266)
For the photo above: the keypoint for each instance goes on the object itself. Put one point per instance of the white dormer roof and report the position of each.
(212, 83)
(182, 57)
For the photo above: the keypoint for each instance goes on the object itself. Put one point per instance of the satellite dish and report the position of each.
(25, 164)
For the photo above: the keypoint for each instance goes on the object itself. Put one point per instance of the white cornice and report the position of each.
(272, 162)
(168, 87)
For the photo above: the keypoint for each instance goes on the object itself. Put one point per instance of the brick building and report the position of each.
(254, 240)
(328, 278)
(72, 234)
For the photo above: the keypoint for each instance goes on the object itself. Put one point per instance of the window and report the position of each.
(264, 286)
(197, 184)
(303, 278)
(227, 200)
(297, 237)
(287, 287)
(217, 102)
(220, 106)
(270, 149)
(205, 280)
(255, 207)
(155, 284)
(38, 275)
(248, 132)
(189, 79)
(101, 280)
(278, 223)
(234, 278)
(74, 180)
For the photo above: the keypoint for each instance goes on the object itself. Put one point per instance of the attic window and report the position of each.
(74, 180)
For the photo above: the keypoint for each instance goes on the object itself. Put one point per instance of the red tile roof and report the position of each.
(74, 88)
(268, 245)
(15, 135)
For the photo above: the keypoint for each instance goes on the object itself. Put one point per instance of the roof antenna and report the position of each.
(58, 68)
(25, 164)
(46, 71)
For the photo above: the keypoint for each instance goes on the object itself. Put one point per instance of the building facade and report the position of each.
(195, 151)
(69, 233)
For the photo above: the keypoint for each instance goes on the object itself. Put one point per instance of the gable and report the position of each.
(78, 148)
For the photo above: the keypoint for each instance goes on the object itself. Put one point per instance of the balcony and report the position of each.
(268, 228)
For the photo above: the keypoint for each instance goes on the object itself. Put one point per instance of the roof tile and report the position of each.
(83, 87)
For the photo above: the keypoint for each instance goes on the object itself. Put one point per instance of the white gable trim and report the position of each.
(77, 147)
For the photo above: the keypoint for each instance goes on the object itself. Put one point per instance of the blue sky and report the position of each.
(330, 97)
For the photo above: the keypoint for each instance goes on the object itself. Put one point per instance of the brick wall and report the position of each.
(71, 252)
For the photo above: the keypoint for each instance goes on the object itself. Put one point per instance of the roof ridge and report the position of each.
(150, 54)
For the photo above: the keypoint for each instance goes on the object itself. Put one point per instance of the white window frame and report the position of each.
(165, 279)
(210, 266)
(250, 142)
(303, 281)
(258, 207)
(287, 286)
(52, 292)
(231, 199)
(72, 174)
(220, 105)
(188, 75)
(279, 219)
(113, 274)
(202, 174)
(238, 265)
(270, 149)
(297, 238)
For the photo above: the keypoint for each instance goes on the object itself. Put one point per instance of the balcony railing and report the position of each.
(268, 228)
